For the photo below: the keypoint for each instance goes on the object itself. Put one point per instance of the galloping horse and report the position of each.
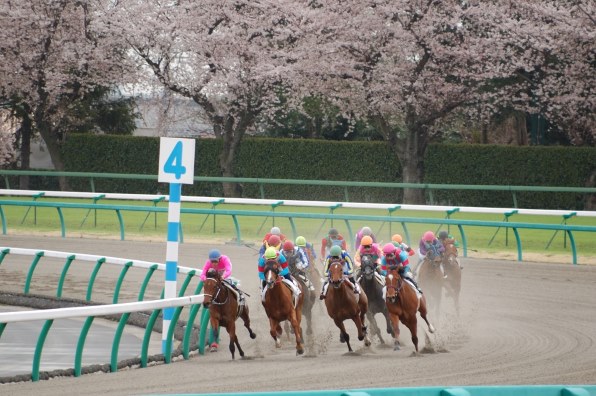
(403, 304)
(309, 295)
(279, 306)
(374, 293)
(342, 304)
(224, 309)
(431, 281)
(453, 282)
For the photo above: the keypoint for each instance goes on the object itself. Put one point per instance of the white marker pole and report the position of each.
(176, 167)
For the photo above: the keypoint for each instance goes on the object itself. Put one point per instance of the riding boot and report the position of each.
(356, 285)
(324, 291)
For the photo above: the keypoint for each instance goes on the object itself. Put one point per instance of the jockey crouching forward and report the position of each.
(432, 248)
(297, 261)
(395, 257)
(273, 255)
(338, 255)
(222, 264)
(367, 246)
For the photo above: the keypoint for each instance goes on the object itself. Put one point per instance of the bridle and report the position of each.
(219, 287)
(336, 283)
(398, 285)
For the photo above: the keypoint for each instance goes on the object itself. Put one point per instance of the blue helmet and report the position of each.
(214, 254)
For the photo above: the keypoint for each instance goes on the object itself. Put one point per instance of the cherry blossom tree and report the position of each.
(53, 52)
(219, 54)
(410, 66)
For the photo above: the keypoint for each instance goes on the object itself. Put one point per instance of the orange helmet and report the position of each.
(397, 238)
(366, 240)
(428, 236)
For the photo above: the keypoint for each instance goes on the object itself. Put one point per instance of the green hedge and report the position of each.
(346, 161)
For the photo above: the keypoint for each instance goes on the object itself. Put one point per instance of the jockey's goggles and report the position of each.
(214, 261)
(366, 246)
(390, 255)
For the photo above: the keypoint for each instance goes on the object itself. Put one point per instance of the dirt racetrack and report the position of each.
(520, 323)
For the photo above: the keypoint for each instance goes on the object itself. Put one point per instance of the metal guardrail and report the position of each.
(261, 182)
(235, 214)
(117, 308)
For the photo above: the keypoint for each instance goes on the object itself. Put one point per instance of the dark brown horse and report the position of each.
(453, 282)
(224, 309)
(342, 304)
(403, 304)
(309, 295)
(374, 293)
(430, 279)
(279, 306)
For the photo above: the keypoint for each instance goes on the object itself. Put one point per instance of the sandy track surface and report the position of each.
(520, 323)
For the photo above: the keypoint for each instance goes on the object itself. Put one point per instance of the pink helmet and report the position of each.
(389, 248)
(429, 236)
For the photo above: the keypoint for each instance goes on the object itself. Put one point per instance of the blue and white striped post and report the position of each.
(176, 166)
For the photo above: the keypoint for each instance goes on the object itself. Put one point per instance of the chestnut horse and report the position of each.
(224, 309)
(453, 282)
(342, 304)
(403, 304)
(374, 293)
(279, 305)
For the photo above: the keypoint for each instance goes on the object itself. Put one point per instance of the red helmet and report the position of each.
(288, 245)
(428, 236)
(389, 248)
(273, 240)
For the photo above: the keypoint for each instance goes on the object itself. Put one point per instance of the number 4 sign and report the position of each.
(176, 160)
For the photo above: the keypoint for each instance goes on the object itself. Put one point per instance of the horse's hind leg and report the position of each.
(273, 330)
(246, 320)
(233, 339)
(412, 325)
(342, 333)
(395, 324)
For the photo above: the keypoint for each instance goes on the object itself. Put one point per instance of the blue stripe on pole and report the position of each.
(168, 313)
(171, 270)
(173, 232)
(175, 192)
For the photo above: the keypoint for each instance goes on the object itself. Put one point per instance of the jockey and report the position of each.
(223, 265)
(307, 248)
(397, 240)
(273, 231)
(431, 247)
(368, 247)
(364, 231)
(336, 254)
(394, 256)
(301, 261)
(446, 239)
(272, 241)
(333, 238)
(272, 254)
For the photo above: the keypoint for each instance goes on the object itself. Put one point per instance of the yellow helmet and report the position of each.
(270, 253)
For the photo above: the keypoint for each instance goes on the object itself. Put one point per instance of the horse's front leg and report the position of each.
(246, 320)
(214, 333)
(423, 314)
(231, 328)
(342, 333)
(273, 325)
(395, 324)
(297, 332)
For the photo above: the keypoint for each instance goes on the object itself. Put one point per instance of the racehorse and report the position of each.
(279, 305)
(342, 304)
(403, 304)
(453, 282)
(374, 293)
(224, 309)
(309, 295)
(430, 279)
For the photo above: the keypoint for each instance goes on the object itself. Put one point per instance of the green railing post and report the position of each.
(213, 205)
(69, 260)
(123, 272)
(237, 227)
(573, 248)
(95, 199)
(36, 259)
(3, 221)
(39, 348)
(35, 197)
(81, 345)
(155, 202)
(189, 325)
(116, 342)
(148, 276)
(3, 254)
(121, 222)
(506, 217)
(564, 222)
(98, 264)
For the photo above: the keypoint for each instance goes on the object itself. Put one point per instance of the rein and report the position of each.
(218, 287)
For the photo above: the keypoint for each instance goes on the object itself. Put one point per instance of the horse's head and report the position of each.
(210, 286)
(367, 266)
(393, 283)
(450, 249)
(271, 272)
(336, 273)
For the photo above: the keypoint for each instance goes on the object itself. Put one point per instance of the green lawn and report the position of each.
(105, 223)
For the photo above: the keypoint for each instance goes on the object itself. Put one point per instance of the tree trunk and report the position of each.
(233, 131)
(412, 160)
(53, 146)
(25, 132)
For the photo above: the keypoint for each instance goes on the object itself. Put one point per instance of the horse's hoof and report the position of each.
(431, 328)
(299, 351)
(360, 338)
(253, 335)
(341, 338)
(214, 347)
(396, 348)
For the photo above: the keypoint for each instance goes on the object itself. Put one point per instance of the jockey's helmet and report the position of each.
(397, 238)
(428, 236)
(288, 246)
(443, 234)
(333, 232)
(273, 240)
(301, 241)
(366, 231)
(275, 231)
(389, 248)
(270, 253)
(335, 251)
(214, 254)
(366, 241)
